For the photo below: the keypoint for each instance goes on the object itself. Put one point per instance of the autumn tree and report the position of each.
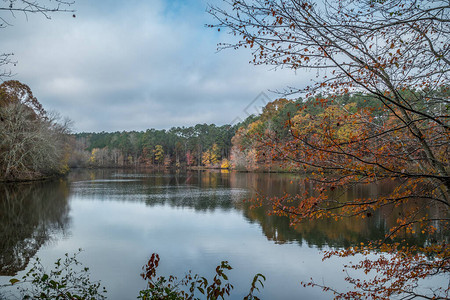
(210, 157)
(214, 154)
(147, 156)
(100, 157)
(225, 164)
(252, 147)
(189, 158)
(32, 141)
(159, 154)
(206, 158)
(396, 53)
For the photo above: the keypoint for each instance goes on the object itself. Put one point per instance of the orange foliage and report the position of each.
(397, 53)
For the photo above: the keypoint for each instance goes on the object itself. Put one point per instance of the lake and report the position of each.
(193, 220)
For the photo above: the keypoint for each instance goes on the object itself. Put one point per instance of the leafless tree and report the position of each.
(32, 141)
(9, 11)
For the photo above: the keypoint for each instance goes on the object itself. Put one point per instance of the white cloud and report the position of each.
(132, 65)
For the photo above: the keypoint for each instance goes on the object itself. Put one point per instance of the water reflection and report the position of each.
(202, 192)
(193, 220)
(318, 233)
(30, 215)
(327, 232)
(208, 191)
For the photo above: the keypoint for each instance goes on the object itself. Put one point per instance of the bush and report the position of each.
(67, 280)
(186, 288)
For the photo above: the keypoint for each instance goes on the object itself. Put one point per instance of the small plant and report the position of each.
(173, 288)
(67, 280)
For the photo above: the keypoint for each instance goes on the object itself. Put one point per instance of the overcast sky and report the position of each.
(134, 65)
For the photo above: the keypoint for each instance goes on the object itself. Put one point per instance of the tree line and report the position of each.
(270, 141)
(199, 145)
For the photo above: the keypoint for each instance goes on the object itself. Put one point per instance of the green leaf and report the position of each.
(13, 280)
(53, 284)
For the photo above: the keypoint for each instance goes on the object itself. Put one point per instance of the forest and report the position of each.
(246, 146)
(202, 145)
(199, 145)
(48, 148)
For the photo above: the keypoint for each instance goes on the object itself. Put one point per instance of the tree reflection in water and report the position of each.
(323, 232)
(31, 214)
(211, 190)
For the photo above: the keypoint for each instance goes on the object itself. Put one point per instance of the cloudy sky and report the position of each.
(134, 65)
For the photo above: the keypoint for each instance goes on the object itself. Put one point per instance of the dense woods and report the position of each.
(199, 145)
(270, 141)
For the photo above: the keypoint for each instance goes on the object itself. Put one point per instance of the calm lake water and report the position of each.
(192, 220)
